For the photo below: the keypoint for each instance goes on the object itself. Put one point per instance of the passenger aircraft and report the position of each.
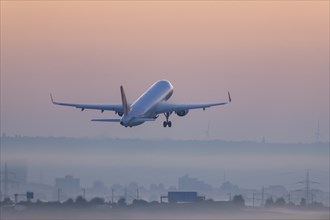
(146, 108)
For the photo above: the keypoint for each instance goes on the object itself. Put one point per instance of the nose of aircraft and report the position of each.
(124, 121)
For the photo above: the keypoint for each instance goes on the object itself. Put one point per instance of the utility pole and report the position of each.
(112, 191)
(307, 187)
(224, 176)
(8, 177)
(125, 194)
(59, 194)
(229, 196)
(6, 181)
(263, 196)
(84, 193)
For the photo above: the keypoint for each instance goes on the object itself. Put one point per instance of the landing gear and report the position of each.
(167, 122)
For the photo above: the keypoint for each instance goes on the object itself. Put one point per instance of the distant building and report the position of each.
(182, 197)
(192, 184)
(68, 184)
(174, 197)
(229, 187)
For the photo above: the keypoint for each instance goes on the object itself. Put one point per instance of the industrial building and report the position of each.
(182, 197)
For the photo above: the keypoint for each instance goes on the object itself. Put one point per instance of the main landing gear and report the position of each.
(167, 122)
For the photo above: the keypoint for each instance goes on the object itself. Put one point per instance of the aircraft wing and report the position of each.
(171, 107)
(116, 108)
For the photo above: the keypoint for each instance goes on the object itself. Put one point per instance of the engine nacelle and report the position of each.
(182, 112)
(119, 113)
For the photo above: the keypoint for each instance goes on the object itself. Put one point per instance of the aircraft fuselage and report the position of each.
(144, 106)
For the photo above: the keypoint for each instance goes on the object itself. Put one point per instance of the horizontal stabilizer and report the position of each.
(107, 120)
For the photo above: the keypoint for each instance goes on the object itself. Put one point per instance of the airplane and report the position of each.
(147, 107)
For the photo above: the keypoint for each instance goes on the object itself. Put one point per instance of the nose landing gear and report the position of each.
(167, 122)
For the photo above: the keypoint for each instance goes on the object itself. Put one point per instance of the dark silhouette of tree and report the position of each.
(154, 203)
(69, 202)
(291, 204)
(303, 202)
(139, 203)
(7, 201)
(280, 202)
(122, 202)
(316, 204)
(97, 201)
(238, 200)
(80, 201)
(39, 202)
(200, 199)
(269, 202)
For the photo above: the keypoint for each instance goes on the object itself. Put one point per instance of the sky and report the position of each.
(273, 56)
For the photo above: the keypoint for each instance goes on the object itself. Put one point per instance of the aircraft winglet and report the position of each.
(51, 98)
(229, 98)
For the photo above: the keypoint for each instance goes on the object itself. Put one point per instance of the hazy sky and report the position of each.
(273, 56)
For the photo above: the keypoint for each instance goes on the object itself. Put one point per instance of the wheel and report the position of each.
(164, 124)
(169, 124)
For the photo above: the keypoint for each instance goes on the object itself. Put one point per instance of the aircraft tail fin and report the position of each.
(126, 106)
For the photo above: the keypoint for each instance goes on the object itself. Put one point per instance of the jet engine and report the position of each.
(182, 112)
(119, 113)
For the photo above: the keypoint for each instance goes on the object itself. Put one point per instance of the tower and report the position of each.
(8, 177)
(307, 182)
(6, 181)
